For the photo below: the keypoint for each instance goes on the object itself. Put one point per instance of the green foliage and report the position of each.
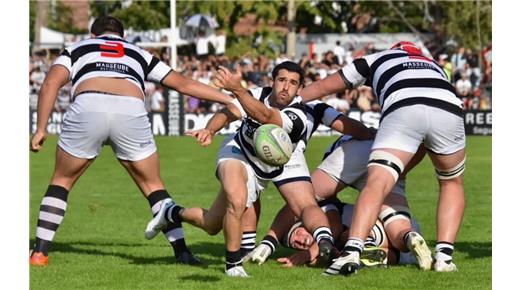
(140, 15)
(61, 19)
(450, 19)
(100, 243)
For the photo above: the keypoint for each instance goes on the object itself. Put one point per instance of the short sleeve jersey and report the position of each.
(112, 57)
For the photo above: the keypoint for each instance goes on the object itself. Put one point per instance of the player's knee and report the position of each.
(213, 230)
(394, 213)
(387, 161)
(452, 173)
(237, 205)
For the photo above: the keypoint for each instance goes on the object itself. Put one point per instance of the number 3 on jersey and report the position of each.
(112, 49)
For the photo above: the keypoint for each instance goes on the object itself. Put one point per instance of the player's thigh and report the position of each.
(233, 177)
(298, 195)
(216, 212)
(324, 185)
(68, 168)
(145, 173)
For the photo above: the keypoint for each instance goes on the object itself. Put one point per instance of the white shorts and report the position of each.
(348, 164)
(295, 169)
(94, 119)
(406, 128)
(229, 149)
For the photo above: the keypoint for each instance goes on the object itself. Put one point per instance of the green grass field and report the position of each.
(101, 244)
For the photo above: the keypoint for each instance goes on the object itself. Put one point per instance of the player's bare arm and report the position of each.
(329, 85)
(220, 119)
(188, 86)
(254, 108)
(56, 78)
(356, 129)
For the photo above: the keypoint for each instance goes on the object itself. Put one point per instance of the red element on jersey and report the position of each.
(115, 49)
(412, 49)
(407, 46)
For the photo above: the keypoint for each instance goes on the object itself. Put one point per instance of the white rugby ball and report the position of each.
(272, 145)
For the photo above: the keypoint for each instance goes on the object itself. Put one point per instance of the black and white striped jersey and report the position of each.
(399, 79)
(294, 123)
(336, 144)
(111, 56)
(318, 113)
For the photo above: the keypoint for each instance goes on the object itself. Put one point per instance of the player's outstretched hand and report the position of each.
(258, 254)
(37, 141)
(203, 136)
(297, 259)
(227, 80)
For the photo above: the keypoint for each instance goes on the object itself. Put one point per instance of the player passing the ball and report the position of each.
(107, 75)
(241, 173)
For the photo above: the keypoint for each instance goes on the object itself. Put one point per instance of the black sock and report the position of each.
(173, 231)
(233, 259)
(52, 211)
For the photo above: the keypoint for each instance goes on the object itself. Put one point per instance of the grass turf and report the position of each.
(101, 245)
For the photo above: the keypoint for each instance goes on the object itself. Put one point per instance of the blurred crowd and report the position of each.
(472, 79)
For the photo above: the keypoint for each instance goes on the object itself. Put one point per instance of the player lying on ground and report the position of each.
(107, 75)
(418, 106)
(344, 164)
(242, 175)
(287, 230)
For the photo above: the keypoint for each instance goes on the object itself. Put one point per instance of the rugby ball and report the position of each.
(272, 145)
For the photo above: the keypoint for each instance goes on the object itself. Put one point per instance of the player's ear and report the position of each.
(300, 88)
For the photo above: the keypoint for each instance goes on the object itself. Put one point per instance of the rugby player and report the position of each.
(344, 165)
(241, 173)
(107, 75)
(418, 105)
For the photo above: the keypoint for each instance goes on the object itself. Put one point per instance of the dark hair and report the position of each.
(107, 24)
(289, 66)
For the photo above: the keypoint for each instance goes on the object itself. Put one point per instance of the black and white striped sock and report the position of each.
(322, 233)
(52, 211)
(173, 231)
(370, 242)
(353, 245)
(248, 242)
(444, 251)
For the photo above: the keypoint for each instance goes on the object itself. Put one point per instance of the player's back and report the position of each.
(111, 57)
(396, 75)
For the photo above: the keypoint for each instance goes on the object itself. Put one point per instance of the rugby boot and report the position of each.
(38, 259)
(187, 258)
(237, 271)
(373, 257)
(347, 264)
(159, 221)
(327, 252)
(444, 266)
(420, 250)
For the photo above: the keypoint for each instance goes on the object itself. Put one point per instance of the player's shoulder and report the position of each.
(260, 93)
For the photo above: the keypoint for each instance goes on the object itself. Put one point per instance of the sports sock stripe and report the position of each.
(52, 210)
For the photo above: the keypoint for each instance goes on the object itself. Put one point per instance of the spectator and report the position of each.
(339, 52)
(459, 62)
(473, 68)
(463, 88)
(202, 46)
(339, 102)
(220, 44)
(364, 101)
(446, 65)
